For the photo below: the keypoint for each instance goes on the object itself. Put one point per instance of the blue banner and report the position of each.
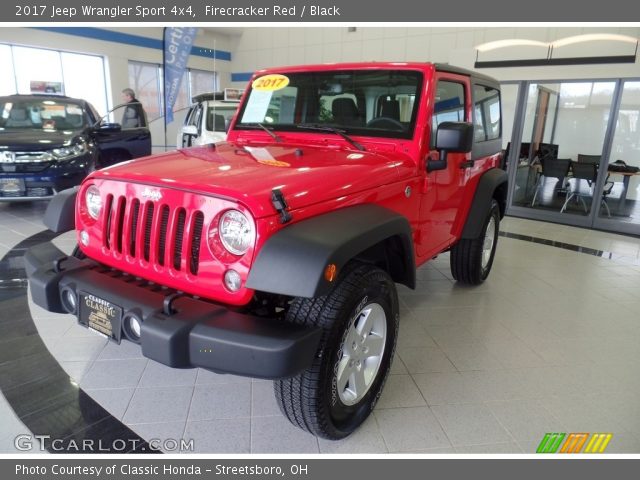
(177, 47)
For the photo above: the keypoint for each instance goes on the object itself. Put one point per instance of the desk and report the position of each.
(625, 183)
(537, 169)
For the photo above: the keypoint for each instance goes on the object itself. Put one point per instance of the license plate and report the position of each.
(100, 315)
(11, 185)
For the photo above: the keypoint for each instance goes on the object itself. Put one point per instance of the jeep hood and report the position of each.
(306, 175)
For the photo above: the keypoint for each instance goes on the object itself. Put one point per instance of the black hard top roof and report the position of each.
(485, 79)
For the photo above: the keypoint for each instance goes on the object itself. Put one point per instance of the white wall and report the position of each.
(260, 47)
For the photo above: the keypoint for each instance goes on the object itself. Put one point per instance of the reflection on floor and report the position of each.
(548, 344)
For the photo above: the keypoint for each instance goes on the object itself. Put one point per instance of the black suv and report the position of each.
(50, 142)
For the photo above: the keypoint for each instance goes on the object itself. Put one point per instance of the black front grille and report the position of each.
(31, 167)
(149, 228)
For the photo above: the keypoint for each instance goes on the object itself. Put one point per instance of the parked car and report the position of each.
(276, 254)
(49, 143)
(208, 119)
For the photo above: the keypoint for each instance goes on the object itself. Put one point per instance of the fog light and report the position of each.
(69, 300)
(232, 280)
(84, 238)
(132, 326)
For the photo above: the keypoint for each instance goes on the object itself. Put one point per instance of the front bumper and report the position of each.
(43, 185)
(183, 333)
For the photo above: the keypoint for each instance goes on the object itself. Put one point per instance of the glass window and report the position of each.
(34, 65)
(563, 139)
(486, 113)
(144, 79)
(622, 187)
(29, 70)
(40, 114)
(219, 118)
(84, 78)
(202, 81)
(448, 106)
(7, 79)
(344, 99)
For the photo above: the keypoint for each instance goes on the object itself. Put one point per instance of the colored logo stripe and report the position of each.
(574, 443)
(598, 443)
(550, 443)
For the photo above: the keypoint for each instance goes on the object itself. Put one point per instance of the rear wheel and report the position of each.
(359, 319)
(471, 258)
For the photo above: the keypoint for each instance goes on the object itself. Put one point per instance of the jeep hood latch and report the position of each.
(280, 204)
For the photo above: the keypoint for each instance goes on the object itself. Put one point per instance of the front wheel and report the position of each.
(359, 319)
(471, 258)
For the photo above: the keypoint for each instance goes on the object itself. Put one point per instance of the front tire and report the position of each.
(472, 258)
(359, 319)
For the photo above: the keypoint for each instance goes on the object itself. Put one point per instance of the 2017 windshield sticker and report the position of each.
(270, 83)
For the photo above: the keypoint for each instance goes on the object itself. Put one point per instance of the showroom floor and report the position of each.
(550, 343)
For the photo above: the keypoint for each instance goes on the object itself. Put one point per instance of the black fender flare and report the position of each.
(60, 215)
(293, 260)
(492, 181)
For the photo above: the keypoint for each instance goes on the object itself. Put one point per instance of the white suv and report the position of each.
(208, 118)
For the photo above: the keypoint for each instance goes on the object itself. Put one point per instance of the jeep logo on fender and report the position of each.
(151, 194)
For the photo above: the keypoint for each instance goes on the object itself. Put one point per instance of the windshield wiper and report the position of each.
(263, 127)
(323, 128)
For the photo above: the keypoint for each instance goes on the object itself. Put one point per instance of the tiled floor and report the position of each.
(549, 343)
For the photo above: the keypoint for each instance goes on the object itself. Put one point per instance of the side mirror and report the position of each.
(109, 127)
(454, 137)
(190, 130)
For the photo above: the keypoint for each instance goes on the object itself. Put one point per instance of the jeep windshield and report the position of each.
(373, 103)
(40, 114)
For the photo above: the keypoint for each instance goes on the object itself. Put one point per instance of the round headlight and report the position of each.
(93, 201)
(236, 232)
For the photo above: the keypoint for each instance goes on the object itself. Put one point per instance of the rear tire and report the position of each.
(471, 258)
(359, 319)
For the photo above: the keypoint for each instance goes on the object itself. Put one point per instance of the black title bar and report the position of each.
(256, 11)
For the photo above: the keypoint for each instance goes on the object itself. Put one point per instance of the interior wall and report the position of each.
(260, 47)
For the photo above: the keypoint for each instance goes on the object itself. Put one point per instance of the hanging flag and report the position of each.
(177, 47)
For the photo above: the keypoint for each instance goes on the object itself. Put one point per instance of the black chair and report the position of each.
(594, 159)
(589, 172)
(345, 112)
(390, 108)
(552, 168)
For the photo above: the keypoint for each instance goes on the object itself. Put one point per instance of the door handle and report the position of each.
(467, 164)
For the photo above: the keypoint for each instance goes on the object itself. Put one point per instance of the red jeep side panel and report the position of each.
(443, 190)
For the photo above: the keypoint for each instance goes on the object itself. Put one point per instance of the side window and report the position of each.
(195, 117)
(448, 105)
(486, 113)
(187, 118)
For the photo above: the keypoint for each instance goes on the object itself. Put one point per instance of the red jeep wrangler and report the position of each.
(276, 254)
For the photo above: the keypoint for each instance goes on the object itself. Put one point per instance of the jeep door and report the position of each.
(444, 191)
(192, 128)
(117, 143)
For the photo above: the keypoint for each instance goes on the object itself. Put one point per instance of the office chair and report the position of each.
(552, 168)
